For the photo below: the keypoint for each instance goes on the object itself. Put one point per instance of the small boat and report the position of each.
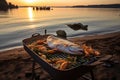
(78, 26)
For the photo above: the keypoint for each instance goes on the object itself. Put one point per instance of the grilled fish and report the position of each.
(64, 45)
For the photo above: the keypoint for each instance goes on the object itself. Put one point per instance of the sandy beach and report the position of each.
(15, 63)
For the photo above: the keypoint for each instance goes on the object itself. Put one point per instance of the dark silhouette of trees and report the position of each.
(98, 6)
(5, 6)
(12, 5)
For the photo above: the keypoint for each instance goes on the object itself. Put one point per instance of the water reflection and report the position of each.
(30, 14)
(31, 17)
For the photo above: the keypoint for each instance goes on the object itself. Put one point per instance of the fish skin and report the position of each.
(64, 45)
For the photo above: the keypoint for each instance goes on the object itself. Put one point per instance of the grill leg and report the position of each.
(92, 75)
(33, 71)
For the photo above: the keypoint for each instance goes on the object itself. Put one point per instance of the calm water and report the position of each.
(15, 25)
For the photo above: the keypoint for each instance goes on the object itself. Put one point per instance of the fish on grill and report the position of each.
(64, 45)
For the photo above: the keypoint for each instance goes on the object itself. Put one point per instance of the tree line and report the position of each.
(4, 5)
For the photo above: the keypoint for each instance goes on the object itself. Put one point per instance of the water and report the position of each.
(18, 24)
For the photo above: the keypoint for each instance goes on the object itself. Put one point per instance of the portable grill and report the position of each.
(72, 73)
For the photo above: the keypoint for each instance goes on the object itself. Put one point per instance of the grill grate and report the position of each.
(79, 61)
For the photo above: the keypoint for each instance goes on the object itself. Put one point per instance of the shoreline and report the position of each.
(85, 37)
(96, 36)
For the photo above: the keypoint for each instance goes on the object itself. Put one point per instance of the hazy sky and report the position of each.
(62, 2)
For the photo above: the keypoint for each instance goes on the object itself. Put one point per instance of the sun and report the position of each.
(29, 1)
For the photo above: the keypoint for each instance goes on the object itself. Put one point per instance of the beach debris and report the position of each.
(108, 63)
(78, 26)
(61, 34)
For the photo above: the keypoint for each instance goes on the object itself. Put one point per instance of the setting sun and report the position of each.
(29, 1)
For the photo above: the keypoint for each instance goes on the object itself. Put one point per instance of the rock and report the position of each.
(61, 34)
(78, 26)
(28, 74)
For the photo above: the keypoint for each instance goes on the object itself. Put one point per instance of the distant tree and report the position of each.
(3, 5)
(12, 5)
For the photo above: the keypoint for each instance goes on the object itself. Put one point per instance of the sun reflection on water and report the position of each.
(31, 17)
(30, 14)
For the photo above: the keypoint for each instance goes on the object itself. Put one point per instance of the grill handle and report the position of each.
(35, 34)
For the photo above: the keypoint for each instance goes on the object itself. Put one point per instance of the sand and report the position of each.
(15, 63)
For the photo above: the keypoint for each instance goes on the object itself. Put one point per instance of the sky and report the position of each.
(61, 2)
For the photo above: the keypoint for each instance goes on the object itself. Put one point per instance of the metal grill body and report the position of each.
(72, 73)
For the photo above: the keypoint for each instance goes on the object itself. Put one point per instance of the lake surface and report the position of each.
(18, 24)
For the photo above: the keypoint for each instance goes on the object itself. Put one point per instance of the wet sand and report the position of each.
(15, 63)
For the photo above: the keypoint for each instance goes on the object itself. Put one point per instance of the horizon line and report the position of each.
(70, 6)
